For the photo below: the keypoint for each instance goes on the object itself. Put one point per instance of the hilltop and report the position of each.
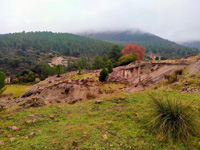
(152, 43)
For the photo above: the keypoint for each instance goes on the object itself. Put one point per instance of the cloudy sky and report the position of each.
(177, 20)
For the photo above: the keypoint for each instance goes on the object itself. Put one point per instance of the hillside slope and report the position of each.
(152, 43)
(64, 43)
(20, 51)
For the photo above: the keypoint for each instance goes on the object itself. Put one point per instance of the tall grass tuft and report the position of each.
(173, 119)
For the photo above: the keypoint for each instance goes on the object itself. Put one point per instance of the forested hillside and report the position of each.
(152, 43)
(25, 50)
(65, 43)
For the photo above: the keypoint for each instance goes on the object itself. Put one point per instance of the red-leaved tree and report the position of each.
(130, 49)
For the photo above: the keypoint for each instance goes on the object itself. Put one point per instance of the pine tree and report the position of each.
(109, 66)
(103, 75)
(59, 70)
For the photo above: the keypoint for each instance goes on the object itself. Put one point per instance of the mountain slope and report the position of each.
(47, 41)
(152, 43)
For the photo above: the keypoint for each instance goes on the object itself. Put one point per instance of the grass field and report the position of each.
(17, 89)
(117, 123)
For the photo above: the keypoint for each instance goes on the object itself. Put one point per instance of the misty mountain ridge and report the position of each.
(192, 44)
(151, 42)
(116, 35)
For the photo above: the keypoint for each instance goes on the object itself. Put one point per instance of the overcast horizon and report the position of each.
(173, 20)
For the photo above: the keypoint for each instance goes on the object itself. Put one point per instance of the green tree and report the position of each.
(59, 70)
(69, 63)
(45, 70)
(114, 54)
(109, 66)
(31, 77)
(2, 82)
(104, 59)
(42, 77)
(97, 63)
(103, 75)
(15, 80)
(82, 62)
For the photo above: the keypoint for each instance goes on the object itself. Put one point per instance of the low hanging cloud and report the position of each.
(176, 20)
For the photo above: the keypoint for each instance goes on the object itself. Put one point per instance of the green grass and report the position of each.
(17, 89)
(82, 125)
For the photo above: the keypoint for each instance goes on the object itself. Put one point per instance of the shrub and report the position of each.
(171, 78)
(79, 71)
(15, 80)
(172, 119)
(126, 59)
(103, 75)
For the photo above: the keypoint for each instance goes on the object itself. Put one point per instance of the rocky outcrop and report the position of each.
(67, 91)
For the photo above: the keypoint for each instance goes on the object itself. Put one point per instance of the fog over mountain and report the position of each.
(192, 44)
(169, 19)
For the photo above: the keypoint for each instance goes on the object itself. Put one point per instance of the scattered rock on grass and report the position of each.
(35, 119)
(28, 121)
(14, 128)
(2, 142)
(12, 139)
(110, 122)
(39, 130)
(105, 137)
(187, 83)
(98, 102)
(51, 116)
(32, 134)
(136, 114)
(84, 134)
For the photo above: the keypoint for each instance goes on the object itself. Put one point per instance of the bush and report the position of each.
(126, 59)
(103, 75)
(15, 80)
(172, 119)
(79, 71)
(171, 78)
